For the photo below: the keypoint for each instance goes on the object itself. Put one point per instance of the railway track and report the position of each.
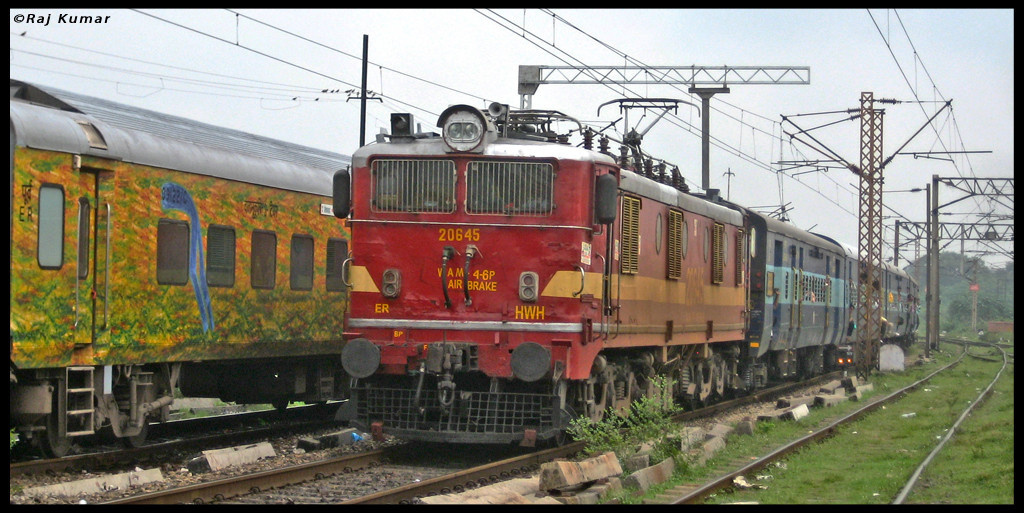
(349, 465)
(697, 493)
(181, 435)
(953, 429)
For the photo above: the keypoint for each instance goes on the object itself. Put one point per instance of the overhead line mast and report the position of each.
(869, 240)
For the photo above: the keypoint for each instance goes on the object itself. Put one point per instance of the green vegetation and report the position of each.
(956, 273)
(866, 462)
(976, 466)
(869, 461)
(648, 421)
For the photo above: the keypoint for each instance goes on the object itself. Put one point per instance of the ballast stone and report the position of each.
(123, 481)
(721, 430)
(831, 386)
(796, 413)
(647, 477)
(561, 475)
(789, 402)
(828, 400)
(513, 491)
(232, 456)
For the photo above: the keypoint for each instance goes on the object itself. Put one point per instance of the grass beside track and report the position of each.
(976, 466)
(870, 460)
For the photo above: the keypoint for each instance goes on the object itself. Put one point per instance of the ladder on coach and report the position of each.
(78, 401)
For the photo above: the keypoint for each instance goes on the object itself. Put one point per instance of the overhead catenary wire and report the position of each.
(745, 152)
(691, 129)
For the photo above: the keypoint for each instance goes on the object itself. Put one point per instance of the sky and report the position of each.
(295, 74)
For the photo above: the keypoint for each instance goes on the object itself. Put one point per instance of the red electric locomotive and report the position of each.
(504, 282)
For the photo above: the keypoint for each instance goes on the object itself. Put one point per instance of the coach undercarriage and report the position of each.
(53, 406)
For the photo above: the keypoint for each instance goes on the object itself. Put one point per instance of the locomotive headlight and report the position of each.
(464, 128)
(463, 132)
(528, 286)
(392, 283)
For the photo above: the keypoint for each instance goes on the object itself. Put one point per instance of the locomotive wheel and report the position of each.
(53, 445)
(601, 393)
(138, 440)
(562, 436)
(280, 405)
(719, 376)
(706, 377)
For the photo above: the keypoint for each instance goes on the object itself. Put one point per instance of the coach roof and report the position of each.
(52, 119)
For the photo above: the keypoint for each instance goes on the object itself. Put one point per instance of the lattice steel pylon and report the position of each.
(869, 245)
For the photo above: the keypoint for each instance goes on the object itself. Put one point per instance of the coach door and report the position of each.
(92, 252)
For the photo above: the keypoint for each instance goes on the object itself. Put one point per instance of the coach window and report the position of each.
(302, 262)
(172, 247)
(778, 253)
(220, 258)
(264, 259)
(337, 252)
(84, 222)
(50, 252)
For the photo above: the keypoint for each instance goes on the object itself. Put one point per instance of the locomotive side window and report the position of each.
(50, 252)
(707, 242)
(676, 228)
(302, 262)
(264, 259)
(524, 188)
(630, 259)
(717, 253)
(337, 252)
(740, 239)
(220, 259)
(423, 186)
(686, 237)
(658, 225)
(172, 248)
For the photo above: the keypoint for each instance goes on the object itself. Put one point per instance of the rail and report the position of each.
(696, 495)
(952, 430)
